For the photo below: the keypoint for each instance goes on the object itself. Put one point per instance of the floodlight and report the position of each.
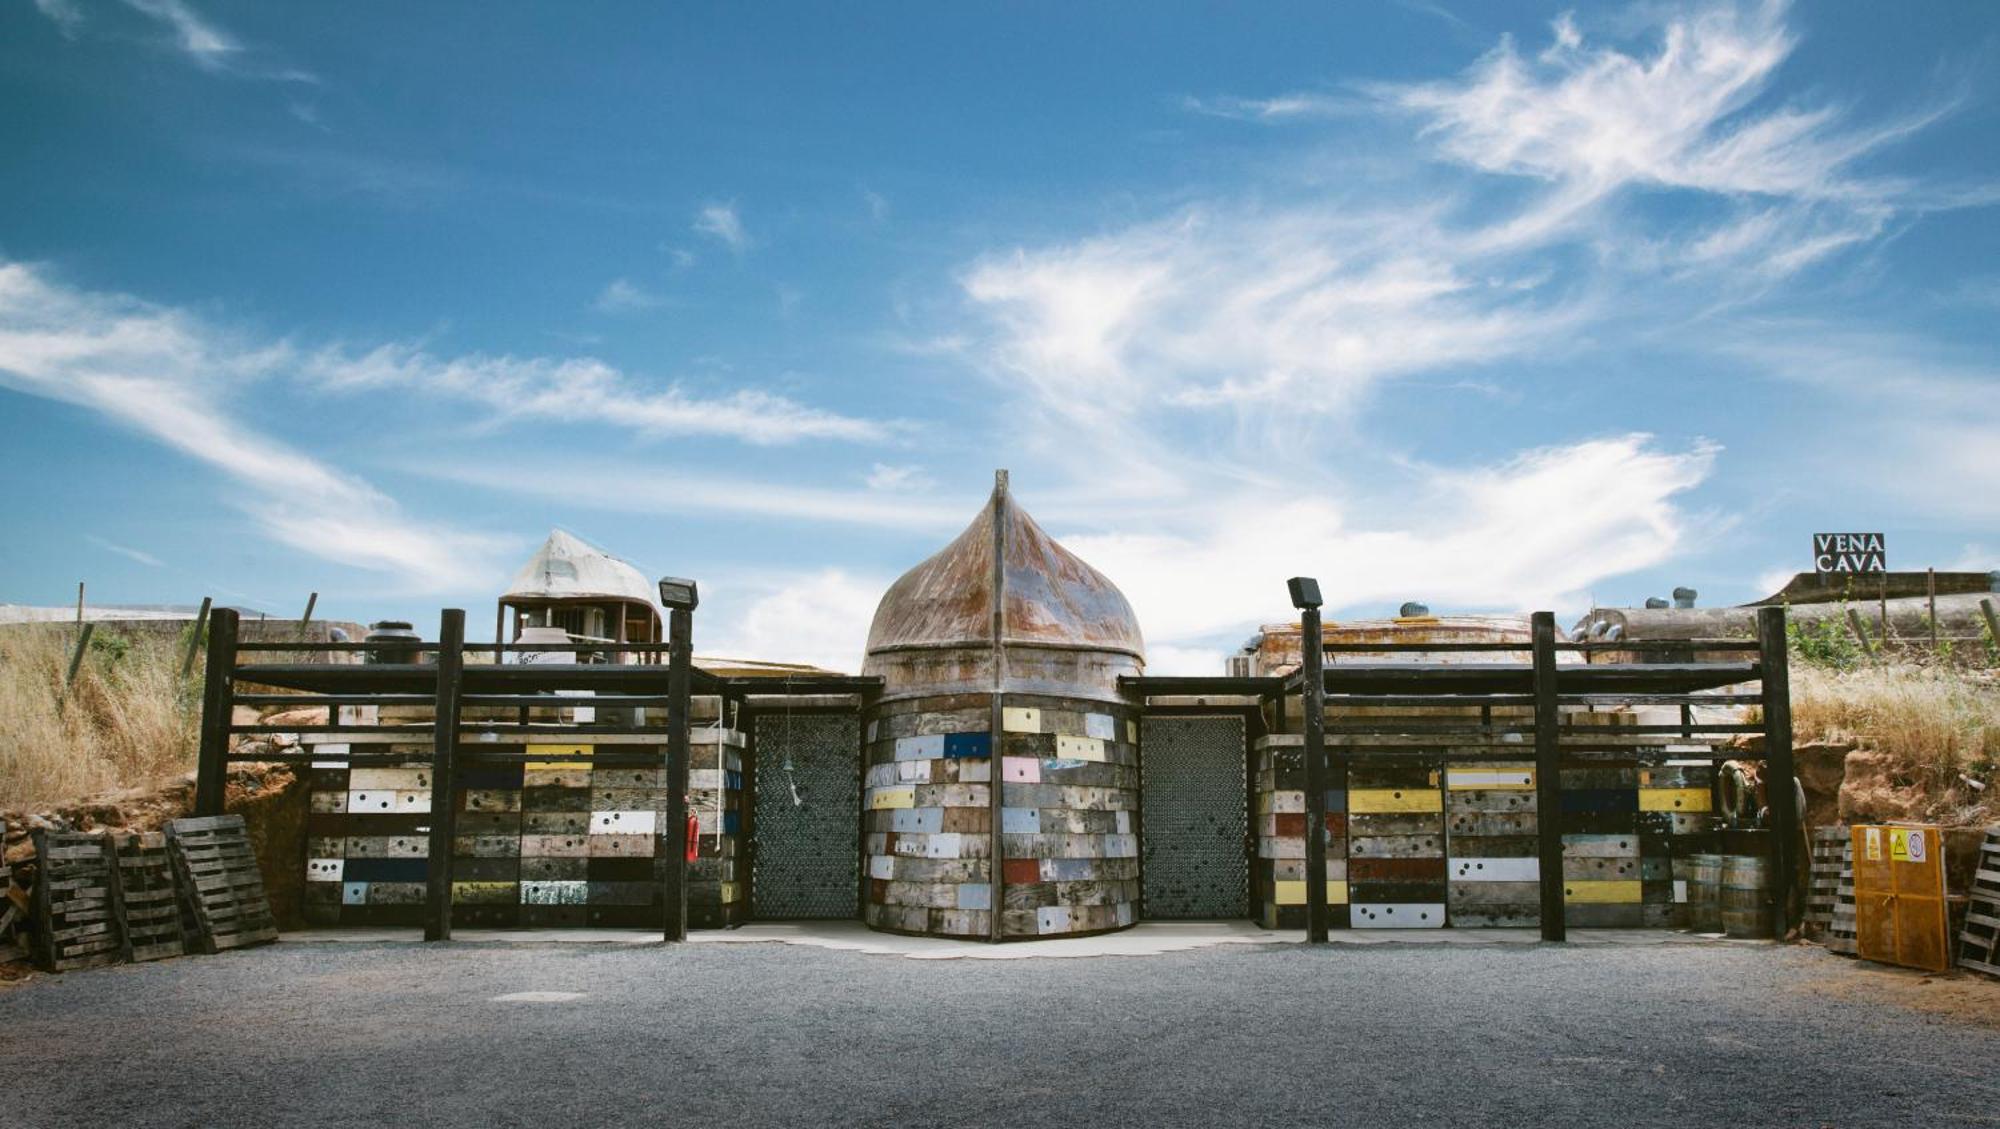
(1305, 592)
(678, 594)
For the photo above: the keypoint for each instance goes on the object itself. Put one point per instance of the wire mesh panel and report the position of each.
(808, 816)
(1193, 818)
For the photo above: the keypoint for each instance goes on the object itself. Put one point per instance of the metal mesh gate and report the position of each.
(807, 860)
(1193, 817)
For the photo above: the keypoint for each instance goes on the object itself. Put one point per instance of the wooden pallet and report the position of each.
(1979, 941)
(8, 911)
(221, 884)
(147, 897)
(74, 915)
(1829, 858)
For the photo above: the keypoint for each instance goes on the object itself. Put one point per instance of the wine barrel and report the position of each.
(1704, 893)
(1746, 905)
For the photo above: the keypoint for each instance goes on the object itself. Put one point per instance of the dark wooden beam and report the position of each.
(1779, 791)
(680, 665)
(444, 753)
(217, 693)
(1548, 779)
(1313, 711)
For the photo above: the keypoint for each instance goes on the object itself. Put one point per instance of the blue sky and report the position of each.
(1498, 306)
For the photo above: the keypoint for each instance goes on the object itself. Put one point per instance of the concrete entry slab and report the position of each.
(1152, 938)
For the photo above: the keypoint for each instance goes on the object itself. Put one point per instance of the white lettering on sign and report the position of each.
(1849, 552)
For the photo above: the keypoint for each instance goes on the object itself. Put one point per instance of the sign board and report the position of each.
(1849, 553)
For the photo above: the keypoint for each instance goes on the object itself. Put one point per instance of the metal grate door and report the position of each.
(1193, 825)
(807, 861)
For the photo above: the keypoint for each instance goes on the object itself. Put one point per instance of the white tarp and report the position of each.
(567, 567)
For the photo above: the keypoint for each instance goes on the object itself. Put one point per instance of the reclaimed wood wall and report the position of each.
(1069, 847)
(1423, 838)
(553, 839)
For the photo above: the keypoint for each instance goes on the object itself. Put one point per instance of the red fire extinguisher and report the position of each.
(693, 837)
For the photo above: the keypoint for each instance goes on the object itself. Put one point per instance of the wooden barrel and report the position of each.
(1704, 893)
(1746, 896)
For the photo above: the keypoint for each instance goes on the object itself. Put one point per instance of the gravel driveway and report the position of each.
(755, 1034)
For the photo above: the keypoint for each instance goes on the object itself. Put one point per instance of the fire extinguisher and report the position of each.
(693, 837)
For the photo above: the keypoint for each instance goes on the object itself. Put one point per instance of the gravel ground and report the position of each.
(721, 1035)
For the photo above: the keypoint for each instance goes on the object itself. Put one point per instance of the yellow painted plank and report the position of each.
(1675, 799)
(556, 766)
(892, 798)
(1368, 800)
(1293, 893)
(1602, 893)
(1021, 719)
(1080, 748)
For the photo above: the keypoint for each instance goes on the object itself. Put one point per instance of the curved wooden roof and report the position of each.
(1051, 598)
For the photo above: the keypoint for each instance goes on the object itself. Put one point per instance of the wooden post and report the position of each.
(218, 701)
(1312, 707)
(1992, 622)
(680, 664)
(444, 752)
(305, 621)
(194, 635)
(76, 660)
(1548, 779)
(1860, 632)
(1779, 791)
(1931, 575)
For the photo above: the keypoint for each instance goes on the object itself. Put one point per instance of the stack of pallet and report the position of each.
(147, 897)
(74, 910)
(1278, 880)
(367, 835)
(715, 798)
(1602, 887)
(1396, 843)
(218, 877)
(1493, 864)
(1831, 866)
(1979, 940)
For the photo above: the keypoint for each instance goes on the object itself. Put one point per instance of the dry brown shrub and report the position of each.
(1935, 723)
(129, 719)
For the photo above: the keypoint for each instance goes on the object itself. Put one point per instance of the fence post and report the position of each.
(218, 701)
(444, 751)
(680, 661)
(1312, 705)
(1779, 791)
(1548, 779)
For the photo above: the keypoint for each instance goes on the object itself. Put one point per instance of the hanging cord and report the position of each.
(791, 780)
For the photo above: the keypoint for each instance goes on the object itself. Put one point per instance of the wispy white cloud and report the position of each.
(818, 617)
(1283, 107)
(126, 551)
(623, 296)
(584, 390)
(660, 489)
(878, 205)
(168, 377)
(885, 477)
(67, 15)
(193, 36)
(722, 221)
(1533, 531)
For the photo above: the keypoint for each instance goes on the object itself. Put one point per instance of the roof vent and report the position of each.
(1412, 608)
(1655, 603)
(1684, 597)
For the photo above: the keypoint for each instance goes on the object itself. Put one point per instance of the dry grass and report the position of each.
(1935, 722)
(128, 720)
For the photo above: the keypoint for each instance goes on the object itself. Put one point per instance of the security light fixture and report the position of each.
(678, 594)
(1305, 592)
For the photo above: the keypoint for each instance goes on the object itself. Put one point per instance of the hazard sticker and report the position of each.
(1915, 846)
(1871, 843)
